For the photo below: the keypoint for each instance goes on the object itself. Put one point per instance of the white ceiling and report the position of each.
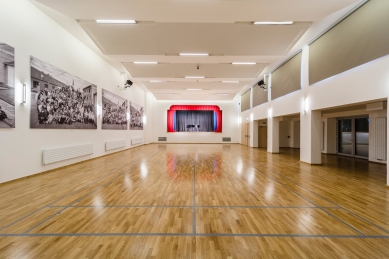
(222, 28)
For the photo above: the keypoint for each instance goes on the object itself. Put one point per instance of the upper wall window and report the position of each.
(287, 78)
(245, 101)
(361, 37)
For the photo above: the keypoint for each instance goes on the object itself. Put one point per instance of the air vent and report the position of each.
(162, 138)
(226, 139)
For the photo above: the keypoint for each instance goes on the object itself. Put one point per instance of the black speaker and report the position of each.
(128, 83)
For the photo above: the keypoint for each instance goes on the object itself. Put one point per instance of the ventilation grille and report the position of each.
(60, 154)
(136, 141)
(227, 139)
(378, 130)
(115, 144)
(162, 138)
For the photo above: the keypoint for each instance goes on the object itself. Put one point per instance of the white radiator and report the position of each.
(136, 141)
(378, 131)
(115, 144)
(60, 154)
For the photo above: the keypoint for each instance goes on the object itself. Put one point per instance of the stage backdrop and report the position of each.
(60, 100)
(114, 111)
(206, 118)
(7, 86)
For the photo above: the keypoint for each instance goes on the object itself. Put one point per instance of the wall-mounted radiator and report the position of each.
(64, 153)
(115, 144)
(378, 131)
(136, 141)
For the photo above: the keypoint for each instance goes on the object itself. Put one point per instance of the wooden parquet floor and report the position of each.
(199, 201)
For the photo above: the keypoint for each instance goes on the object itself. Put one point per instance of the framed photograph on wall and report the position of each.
(114, 111)
(136, 120)
(60, 100)
(7, 86)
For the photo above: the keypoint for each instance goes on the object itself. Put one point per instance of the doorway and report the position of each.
(262, 136)
(353, 137)
(246, 134)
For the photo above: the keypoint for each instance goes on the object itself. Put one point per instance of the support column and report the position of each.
(254, 134)
(310, 151)
(273, 135)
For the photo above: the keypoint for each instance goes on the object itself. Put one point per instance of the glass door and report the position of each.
(362, 137)
(353, 137)
(345, 137)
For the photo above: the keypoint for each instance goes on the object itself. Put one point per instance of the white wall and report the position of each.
(230, 128)
(366, 83)
(31, 32)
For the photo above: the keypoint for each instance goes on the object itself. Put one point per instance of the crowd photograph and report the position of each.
(60, 100)
(7, 86)
(114, 111)
(136, 112)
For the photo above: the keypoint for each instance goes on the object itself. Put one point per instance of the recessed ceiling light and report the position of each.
(230, 82)
(222, 94)
(194, 89)
(244, 63)
(116, 21)
(155, 81)
(194, 54)
(194, 77)
(145, 62)
(274, 23)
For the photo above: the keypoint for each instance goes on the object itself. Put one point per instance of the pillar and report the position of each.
(310, 150)
(273, 135)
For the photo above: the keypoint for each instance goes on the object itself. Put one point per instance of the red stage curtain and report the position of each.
(173, 108)
(170, 121)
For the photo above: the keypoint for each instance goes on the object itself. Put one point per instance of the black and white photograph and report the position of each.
(7, 86)
(114, 111)
(136, 112)
(60, 100)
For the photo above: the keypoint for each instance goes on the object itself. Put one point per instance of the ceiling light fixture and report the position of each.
(194, 89)
(194, 54)
(194, 77)
(145, 62)
(244, 63)
(155, 81)
(230, 82)
(116, 21)
(274, 23)
(222, 94)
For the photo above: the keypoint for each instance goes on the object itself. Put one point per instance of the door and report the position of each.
(353, 137)
(262, 136)
(246, 134)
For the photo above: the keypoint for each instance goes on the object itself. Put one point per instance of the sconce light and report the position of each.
(144, 119)
(305, 105)
(269, 112)
(251, 117)
(128, 115)
(24, 97)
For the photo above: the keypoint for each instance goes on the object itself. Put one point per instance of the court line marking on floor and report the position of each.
(194, 199)
(190, 234)
(104, 184)
(339, 206)
(197, 206)
(66, 195)
(300, 195)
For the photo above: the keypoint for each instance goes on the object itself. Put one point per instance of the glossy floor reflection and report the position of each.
(199, 201)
